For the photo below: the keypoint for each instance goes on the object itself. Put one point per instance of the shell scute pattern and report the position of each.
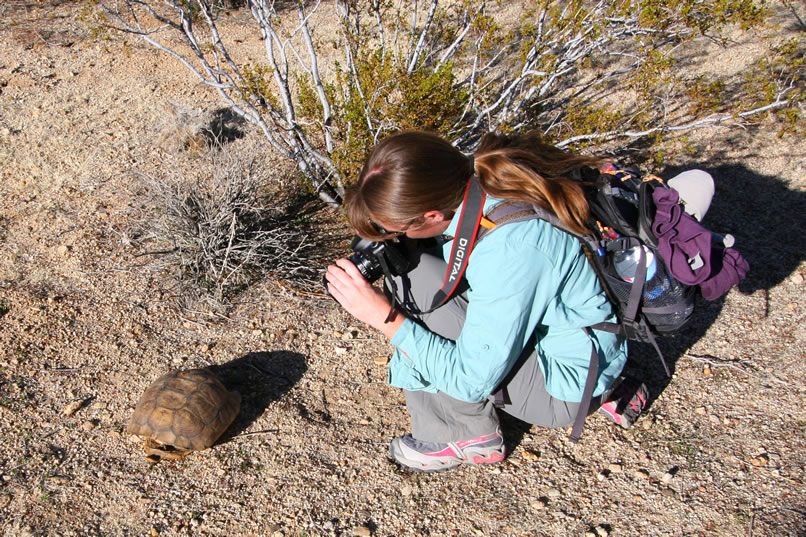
(183, 411)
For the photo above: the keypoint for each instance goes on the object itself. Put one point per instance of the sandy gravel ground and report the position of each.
(85, 326)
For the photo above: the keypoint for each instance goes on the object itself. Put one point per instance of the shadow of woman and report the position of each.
(261, 378)
(765, 216)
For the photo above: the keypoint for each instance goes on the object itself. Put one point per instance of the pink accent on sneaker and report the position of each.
(637, 403)
(491, 458)
(479, 440)
(447, 452)
(609, 408)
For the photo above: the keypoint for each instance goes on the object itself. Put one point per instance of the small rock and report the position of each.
(797, 278)
(669, 493)
(381, 360)
(615, 468)
(529, 455)
(540, 503)
(340, 351)
(707, 371)
(88, 425)
(5, 500)
(72, 408)
(406, 490)
(63, 250)
(760, 460)
(637, 497)
(154, 532)
(554, 493)
(640, 474)
(362, 531)
(590, 534)
(667, 478)
(601, 531)
(700, 410)
(714, 419)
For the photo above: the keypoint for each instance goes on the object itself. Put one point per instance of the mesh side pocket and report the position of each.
(666, 303)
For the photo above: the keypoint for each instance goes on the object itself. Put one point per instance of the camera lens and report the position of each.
(367, 265)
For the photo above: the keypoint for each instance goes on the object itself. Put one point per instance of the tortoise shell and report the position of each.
(183, 411)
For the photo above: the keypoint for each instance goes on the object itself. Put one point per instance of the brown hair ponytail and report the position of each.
(528, 169)
(410, 173)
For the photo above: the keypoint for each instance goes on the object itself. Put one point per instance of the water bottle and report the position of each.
(626, 263)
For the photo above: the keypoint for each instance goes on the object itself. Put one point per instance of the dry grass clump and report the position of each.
(218, 229)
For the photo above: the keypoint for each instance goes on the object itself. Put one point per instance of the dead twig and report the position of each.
(255, 433)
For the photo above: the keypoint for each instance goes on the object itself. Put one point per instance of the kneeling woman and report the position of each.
(517, 329)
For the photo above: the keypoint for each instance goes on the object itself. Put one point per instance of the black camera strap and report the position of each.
(463, 242)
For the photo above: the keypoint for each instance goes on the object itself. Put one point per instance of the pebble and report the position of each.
(601, 531)
(797, 278)
(5, 500)
(700, 410)
(667, 478)
(615, 468)
(760, 460)
(88, 425)
(553, 493)
(669, 493)
(640, 474)
(62, 250)
(362, 531)
(406, 490)
(381, 360)
(72, 408)
(529, 455)
(540, 503)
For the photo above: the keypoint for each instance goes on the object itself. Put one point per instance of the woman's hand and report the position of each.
(361, 300)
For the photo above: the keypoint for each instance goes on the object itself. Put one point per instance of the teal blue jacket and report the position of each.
(524, 277)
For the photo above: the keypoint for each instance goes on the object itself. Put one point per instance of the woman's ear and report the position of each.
(434, 216)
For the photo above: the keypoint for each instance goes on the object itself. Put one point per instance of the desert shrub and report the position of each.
(216, 231)
(459, 68)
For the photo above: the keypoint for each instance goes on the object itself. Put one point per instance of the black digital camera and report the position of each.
(369, 255)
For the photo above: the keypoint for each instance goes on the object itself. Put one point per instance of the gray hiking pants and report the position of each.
(437, 417)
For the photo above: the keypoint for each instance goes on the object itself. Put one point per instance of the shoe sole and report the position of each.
(473, 457)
